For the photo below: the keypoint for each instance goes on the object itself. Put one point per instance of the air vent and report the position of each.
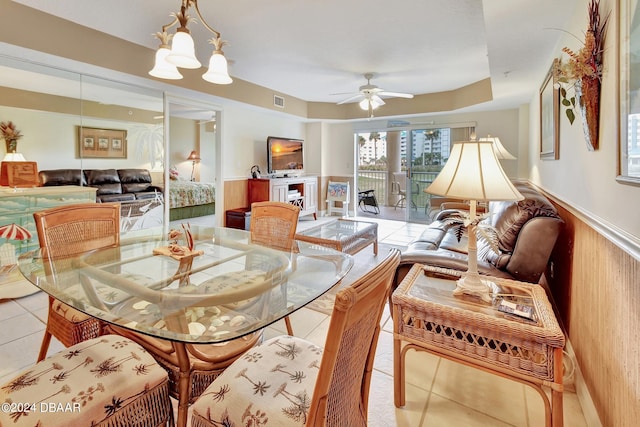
(397, 123)
(278, 101)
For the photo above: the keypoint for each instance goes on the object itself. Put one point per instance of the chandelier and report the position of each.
(181, 53)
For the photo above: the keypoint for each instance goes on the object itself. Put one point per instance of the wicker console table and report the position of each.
(464, 329)
(343, 235)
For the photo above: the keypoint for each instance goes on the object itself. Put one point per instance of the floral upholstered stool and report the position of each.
(104, 381)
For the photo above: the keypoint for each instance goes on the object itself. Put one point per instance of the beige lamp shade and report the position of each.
(501, 152)
(473, 172)
(194, 156)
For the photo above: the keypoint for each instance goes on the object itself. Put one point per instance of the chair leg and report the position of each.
(44, 347)
(289, 327)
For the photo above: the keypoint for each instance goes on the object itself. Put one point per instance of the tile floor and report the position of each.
(439, 392)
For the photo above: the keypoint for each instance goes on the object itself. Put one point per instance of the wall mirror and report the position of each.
(193, 130)
(629, 145)
(60, 113)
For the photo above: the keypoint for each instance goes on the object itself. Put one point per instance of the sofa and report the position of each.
(526, 230)
(121, 185)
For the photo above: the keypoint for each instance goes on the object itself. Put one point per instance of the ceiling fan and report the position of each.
(370, 95)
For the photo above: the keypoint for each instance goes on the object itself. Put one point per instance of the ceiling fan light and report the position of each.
(376, 102)
(162, 68)
(183, 52)
(364, 104)
(218, 71)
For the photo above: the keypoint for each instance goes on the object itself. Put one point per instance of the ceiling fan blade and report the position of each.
(396, 94)
(352, 98)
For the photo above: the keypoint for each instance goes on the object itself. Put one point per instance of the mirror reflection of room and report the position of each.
(191, 188)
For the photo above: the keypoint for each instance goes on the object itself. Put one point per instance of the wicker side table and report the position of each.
(464, 329)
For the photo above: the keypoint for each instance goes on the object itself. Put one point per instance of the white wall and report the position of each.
(585, 179)
(244, 139)
(183, 139)
(51, 139)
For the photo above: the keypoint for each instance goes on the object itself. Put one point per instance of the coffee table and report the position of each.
(344, 235)
(467, 330)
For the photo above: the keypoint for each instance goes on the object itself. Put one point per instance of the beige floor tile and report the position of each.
(572, 411)
(21, 353)
(382, 411)
(490, 394)
(318, 335)
(421, 368)
(9, 309)
(18, 326)
(34, 301)
(304, 321)
(443, 412)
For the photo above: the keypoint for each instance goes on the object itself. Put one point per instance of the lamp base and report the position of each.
(472, 284)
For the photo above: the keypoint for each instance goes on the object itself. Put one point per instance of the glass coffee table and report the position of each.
(344, 235)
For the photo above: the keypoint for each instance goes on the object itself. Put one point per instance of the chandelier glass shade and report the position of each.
(181, 52)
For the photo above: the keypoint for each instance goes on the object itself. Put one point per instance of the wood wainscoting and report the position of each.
(235, 195)
(596, 287)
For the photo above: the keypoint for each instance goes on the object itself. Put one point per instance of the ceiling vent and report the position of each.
(278, 101)
(397, 123)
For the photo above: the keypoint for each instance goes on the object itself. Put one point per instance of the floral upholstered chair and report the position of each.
(105, 381)
(290, 381)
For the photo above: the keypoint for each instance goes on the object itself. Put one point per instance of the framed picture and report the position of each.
(629, 93)
(102, 143)
(550, 115)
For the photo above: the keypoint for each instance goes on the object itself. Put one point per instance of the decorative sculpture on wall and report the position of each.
(584, 70)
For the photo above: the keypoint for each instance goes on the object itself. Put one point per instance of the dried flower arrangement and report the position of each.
(11, 135)
(583, 70)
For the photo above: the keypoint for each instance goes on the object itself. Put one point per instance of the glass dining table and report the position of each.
(222, 289)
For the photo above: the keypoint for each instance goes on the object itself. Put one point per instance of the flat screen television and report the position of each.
(285, 156)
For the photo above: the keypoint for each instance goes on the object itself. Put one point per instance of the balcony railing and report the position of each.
(378, 181)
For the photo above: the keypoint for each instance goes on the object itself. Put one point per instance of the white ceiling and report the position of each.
(313, 49)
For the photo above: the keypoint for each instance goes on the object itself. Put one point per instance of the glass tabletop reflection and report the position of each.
(225, 288)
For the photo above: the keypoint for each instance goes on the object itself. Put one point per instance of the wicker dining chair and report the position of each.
(65, 231)
(290, 381)
(274, 224)
(103, 382)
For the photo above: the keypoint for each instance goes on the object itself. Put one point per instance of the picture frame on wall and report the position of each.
(629, 94)
(550, 115)
(102, 143)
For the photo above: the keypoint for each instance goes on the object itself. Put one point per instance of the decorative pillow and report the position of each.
(173, 173)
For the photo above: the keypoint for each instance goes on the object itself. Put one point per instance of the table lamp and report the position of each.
(473, 173)
(194, 156)
(501, 152)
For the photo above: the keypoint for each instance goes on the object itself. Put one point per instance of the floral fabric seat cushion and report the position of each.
(108, 380)
(270, 385)
(68, 312)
